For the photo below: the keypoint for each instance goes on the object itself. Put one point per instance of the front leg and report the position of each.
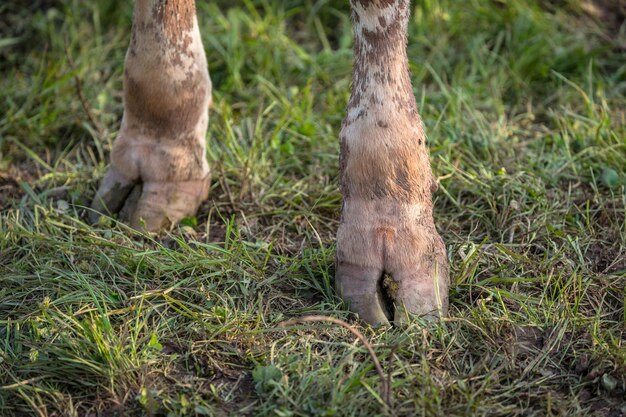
(390, 259)
(158, 172)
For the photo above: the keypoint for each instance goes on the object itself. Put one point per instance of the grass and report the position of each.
(525, 109)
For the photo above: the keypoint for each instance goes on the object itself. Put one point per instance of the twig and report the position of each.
(385, 394)
(22, 383)
(389, 367)
(79, 90)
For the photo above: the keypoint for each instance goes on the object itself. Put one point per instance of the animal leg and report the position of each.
(158, 172)
(387, 244)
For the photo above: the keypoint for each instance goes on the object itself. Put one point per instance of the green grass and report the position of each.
(525, 111)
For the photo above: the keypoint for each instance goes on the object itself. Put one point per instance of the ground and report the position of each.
(524, 105)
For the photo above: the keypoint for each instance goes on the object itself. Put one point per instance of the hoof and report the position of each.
(149, 206)
(391, 262)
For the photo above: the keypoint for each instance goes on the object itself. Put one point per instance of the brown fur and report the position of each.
(178, 16)
(165, 110)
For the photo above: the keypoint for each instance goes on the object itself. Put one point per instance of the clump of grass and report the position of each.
(524, 108)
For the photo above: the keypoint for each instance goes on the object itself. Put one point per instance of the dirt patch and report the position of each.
(527, 339)
(10, 179)
(605, 259)
(610, 13)
(10, 191)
